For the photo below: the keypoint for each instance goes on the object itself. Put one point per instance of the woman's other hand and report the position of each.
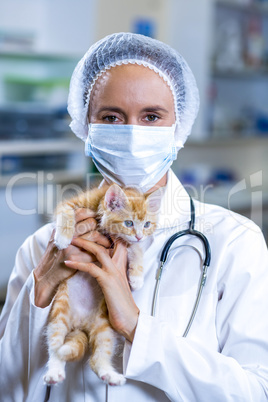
(112, 278)
(51, 269)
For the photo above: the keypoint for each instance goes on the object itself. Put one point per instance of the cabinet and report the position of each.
(239, 70)
(34, 132)
(231, 173)
(239, 104)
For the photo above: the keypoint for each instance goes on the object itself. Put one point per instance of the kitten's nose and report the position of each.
(139, 237)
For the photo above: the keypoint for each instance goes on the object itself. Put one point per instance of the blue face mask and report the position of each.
(131, 156)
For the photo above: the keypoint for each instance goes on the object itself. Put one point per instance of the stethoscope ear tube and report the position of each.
(191, 231)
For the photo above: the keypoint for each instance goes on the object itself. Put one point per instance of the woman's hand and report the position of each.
(51, 269)
(112, 278)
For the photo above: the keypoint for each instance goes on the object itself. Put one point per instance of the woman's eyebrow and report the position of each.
(151, 109)
(110, 109)
(154, 109)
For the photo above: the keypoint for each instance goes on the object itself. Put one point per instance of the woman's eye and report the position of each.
(147, 225)
(128, 224)
(110, 119)
(151, 117)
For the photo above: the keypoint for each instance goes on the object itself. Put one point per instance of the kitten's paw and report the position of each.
(136, 282)
(61, 241)
(66, 352)
(54, 376)
(112, 378)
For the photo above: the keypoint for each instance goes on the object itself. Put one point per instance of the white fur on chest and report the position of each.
(84, 295)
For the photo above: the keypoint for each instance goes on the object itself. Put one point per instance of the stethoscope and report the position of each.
(163, 258)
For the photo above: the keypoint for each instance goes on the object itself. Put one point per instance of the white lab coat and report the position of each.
(225, 355)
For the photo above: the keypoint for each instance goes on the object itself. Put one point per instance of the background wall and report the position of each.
(62, 27)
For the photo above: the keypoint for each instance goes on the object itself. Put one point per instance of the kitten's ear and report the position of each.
(153, 201)
(115, 198)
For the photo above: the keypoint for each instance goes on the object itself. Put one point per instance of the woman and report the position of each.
(134, 100)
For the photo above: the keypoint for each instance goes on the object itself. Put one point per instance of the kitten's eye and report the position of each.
(128, 224)
(147, 224)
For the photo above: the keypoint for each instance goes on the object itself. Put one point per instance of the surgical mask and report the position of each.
(131, 155)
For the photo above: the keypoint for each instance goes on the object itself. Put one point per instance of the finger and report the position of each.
(85, 226)
(97, 237)
(77, 254)
(120, 256)
(90, 268)
(83, 213)
(99, 251)
(52, 235)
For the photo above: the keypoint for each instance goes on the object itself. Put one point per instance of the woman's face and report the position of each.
(131, 94)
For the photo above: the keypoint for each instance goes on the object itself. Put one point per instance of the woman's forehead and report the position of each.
(131, 80)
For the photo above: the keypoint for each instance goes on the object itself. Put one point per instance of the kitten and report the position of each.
(78, 318)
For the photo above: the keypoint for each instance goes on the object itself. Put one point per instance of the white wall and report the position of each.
(190, 33)
(120, 16)
(69, 26)
(60, 26)
(22, 15)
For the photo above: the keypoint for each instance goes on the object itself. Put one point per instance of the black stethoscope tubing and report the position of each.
(190, 231)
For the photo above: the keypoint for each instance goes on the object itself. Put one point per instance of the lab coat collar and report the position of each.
(175, 205)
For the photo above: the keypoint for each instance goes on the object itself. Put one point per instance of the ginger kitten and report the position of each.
(78, 318)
